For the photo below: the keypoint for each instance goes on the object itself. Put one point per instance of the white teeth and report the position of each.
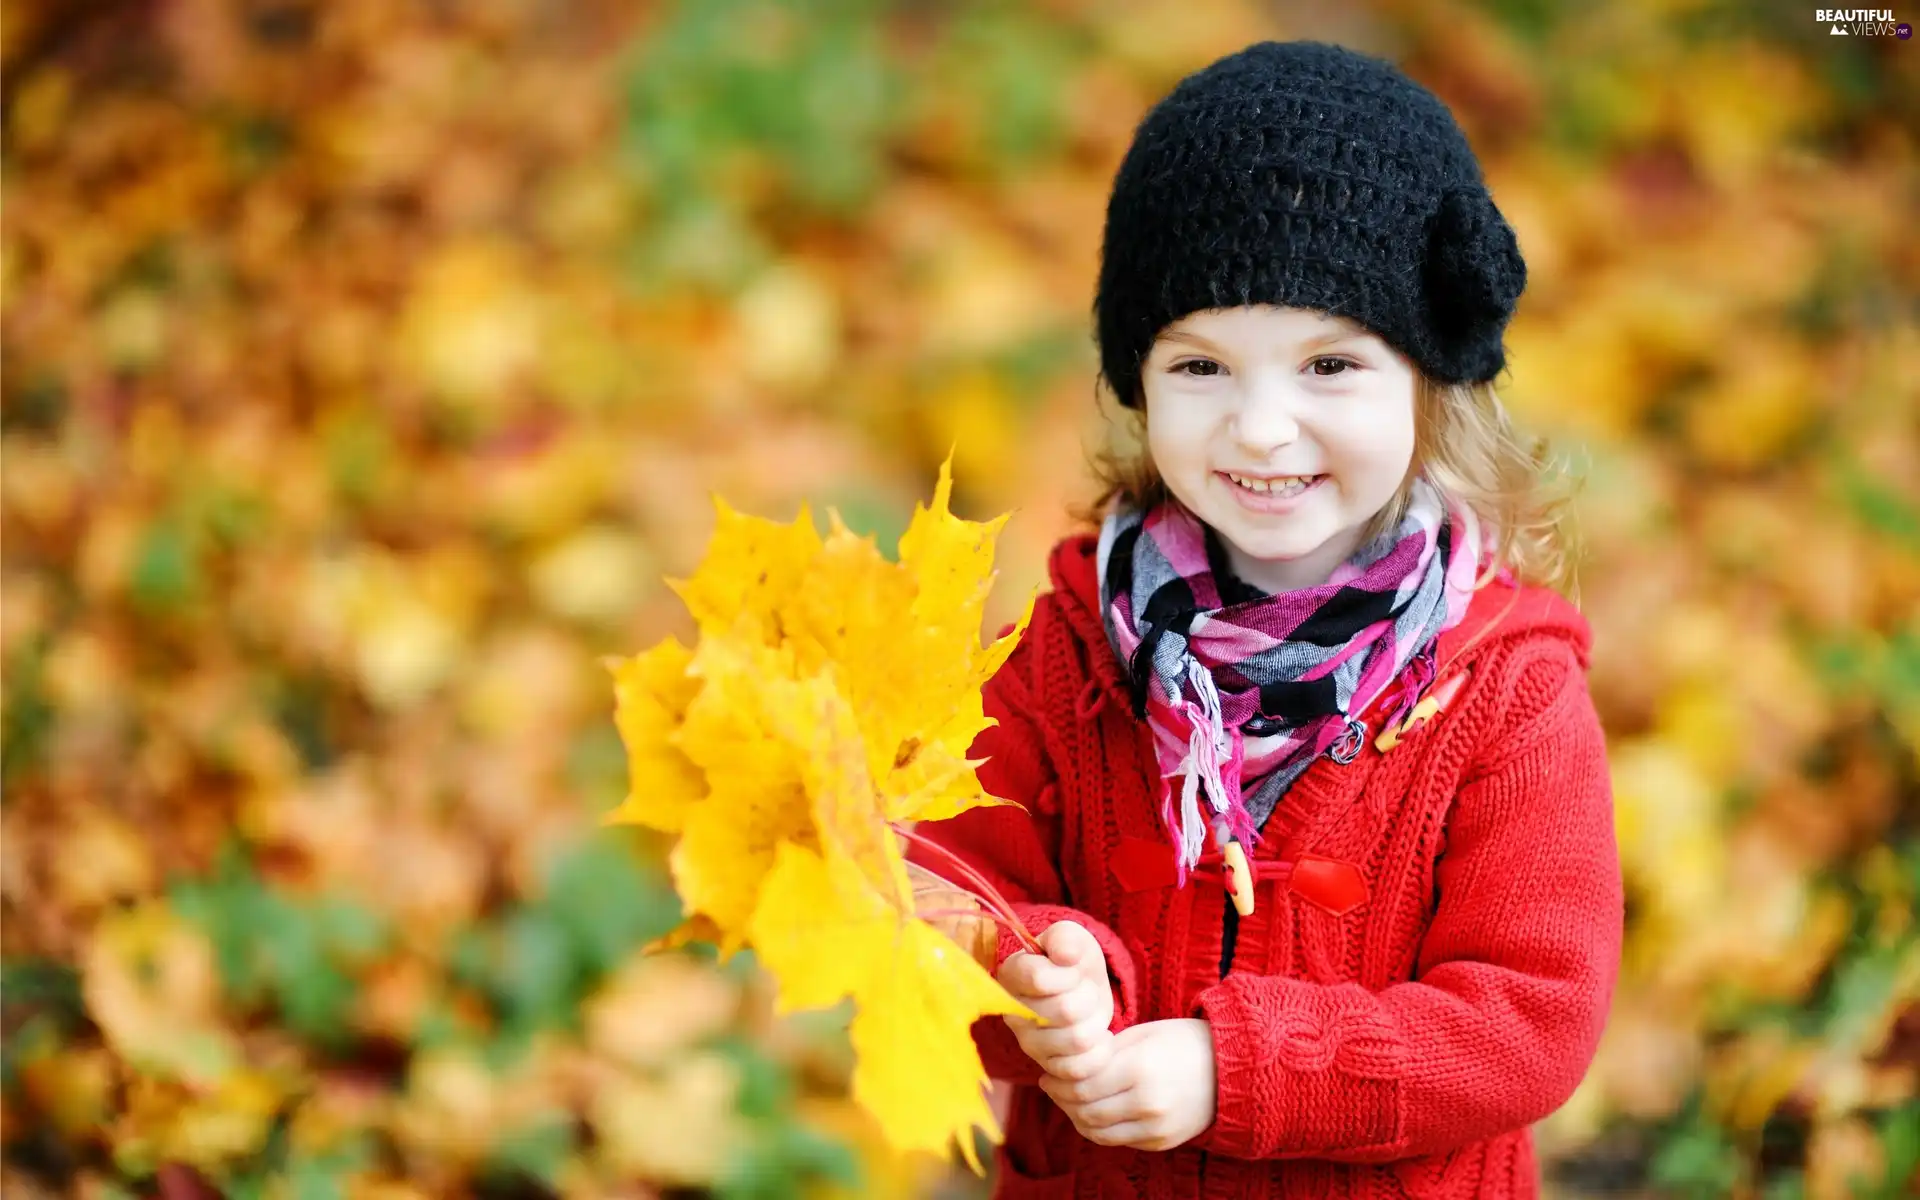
(1285, 486)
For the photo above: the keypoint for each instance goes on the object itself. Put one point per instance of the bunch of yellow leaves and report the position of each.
(829, 702)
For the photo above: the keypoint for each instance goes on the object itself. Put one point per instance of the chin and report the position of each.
(1272, 544)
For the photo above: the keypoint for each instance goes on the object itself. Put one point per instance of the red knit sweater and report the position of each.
(1434, 943)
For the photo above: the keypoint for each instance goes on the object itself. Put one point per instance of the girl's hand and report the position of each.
(1071, 993)
(1155, 1092)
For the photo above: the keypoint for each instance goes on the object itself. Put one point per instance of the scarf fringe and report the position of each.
(1214, 759)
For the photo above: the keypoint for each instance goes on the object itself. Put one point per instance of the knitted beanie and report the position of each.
(1308, 175)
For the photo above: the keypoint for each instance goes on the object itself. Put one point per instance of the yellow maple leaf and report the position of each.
(755, 795)
(825, 933)
(651, 693)
(752, 566)
(905, 640)
(951, 562)
(831, 695)
(818, 722)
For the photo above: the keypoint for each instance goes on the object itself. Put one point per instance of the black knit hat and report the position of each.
(1309, 175)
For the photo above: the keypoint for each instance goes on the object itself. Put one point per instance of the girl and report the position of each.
(1315, 826)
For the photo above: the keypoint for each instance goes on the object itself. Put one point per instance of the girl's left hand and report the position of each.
(1155, 1092)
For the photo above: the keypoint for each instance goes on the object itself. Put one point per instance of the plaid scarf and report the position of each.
(1244, 690)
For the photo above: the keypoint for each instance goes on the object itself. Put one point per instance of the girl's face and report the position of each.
(1283, 429)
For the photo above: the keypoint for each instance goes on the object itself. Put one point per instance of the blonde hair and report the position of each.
(1465, 444)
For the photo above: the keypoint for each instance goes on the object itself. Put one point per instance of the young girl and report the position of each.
(1315, 826)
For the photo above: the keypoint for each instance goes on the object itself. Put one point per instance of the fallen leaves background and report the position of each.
(368, 366)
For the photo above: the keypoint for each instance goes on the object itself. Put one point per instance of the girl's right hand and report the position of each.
(1070, 992)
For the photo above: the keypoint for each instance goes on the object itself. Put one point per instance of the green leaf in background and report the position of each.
(782, 1158)
(230, 908)
(1530, 19)
(275, 950)
(41, 983)
(1697, 1161)
(166, 567)
(608, 903)
(37, 1035)
(232, 518)
(1900, 1141)
(1902, 677)
(27, 717)
(536, 974)
(1877, 505)
(280, 1172)
(1010, 64)
(298, 704)
(726, 86)
(868, 514)
(437, 1027)
(597, 767)
(1862, 986)
(786, 1161)
(1033, 362)
(538, 961)
(1790, 1186)
(765, 1088)
(538, 1151)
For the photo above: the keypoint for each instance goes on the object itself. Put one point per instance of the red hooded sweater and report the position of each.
(1434, 943)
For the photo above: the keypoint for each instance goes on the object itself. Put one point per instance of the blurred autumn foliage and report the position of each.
(368, 364)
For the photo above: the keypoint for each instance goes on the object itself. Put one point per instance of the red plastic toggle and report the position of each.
(1140, 864)
(1329, 883)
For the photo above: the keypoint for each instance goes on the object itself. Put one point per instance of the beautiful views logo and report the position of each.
(1862, 22)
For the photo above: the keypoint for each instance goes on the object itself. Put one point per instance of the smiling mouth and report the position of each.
(1279, 486)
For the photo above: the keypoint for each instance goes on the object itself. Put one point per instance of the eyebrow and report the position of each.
(1319, 339)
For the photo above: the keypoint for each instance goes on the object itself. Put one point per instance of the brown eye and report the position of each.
(1210, 367)
(1339, 365)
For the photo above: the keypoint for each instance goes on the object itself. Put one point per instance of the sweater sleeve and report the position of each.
(1017, 850)
(1513, 981)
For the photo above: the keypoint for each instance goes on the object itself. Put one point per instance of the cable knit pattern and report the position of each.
(1398, 1048)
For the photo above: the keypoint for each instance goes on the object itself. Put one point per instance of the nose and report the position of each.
(1267, 418)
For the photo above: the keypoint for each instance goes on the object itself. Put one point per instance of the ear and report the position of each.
(1473, 277)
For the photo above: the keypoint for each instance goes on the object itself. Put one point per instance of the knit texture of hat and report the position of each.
(1308, 175)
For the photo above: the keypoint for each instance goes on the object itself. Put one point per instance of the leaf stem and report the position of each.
(984, 891)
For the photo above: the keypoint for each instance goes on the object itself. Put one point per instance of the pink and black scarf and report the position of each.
(1243, 689)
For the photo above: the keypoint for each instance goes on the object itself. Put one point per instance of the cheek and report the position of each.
(1177, 441)
(1376, 441)
(1396, 450)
